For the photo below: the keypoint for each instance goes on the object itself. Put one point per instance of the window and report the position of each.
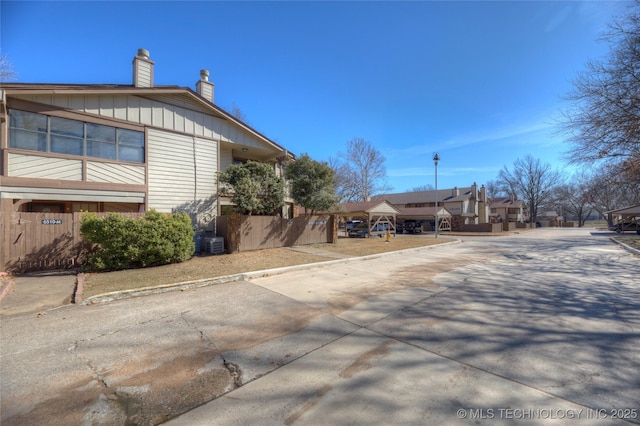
(27, 130)
(66, 136)
(101, 141)
(37, 132)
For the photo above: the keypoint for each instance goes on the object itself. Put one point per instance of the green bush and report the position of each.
(125, 243)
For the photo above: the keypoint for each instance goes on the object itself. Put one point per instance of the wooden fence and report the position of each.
(244, 233)
(42, 241)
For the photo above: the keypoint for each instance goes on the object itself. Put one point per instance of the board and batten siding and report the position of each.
(176, 112)
(182, 169)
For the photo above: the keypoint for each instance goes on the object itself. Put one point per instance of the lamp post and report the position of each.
(436, 158)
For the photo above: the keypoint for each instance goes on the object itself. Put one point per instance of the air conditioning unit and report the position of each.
(214, 245)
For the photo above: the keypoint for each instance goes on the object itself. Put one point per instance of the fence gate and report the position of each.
(39, 241)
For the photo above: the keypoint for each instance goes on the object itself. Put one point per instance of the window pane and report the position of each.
(65, 127)
(23, 139)
(101, 141)
(27, 130)
(66, 145)
(130, 146)
(99, 132)
(27, 120)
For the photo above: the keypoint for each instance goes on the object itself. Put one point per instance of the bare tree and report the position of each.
(425, 187)
(7, 72)
(530, 181)
(360, 172)
(573, 198)
(603, 119)
(607, 192)
(237, 113)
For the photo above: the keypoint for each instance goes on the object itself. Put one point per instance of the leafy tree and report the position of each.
(360, 172)
(254, 187)
(530, 181)
(312, 183)
(603, 119)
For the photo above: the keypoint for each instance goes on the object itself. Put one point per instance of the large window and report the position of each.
(37, 132)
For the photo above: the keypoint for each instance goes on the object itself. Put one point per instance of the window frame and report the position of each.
(48, 135)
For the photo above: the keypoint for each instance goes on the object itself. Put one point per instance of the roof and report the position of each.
(627, 211)
(376, 206)
(417, 197)
(424, 211)
(98, 89)
(506, 202)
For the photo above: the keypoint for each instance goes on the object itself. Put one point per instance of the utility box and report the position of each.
(214, 245)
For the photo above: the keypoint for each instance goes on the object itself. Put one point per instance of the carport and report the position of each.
(373, 212)
(428, 214)
(628, 218)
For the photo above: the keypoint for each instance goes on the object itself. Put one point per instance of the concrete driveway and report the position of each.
(541, 327)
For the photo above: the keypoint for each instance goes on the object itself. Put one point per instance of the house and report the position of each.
(122, 148)
(69, 148)
(462, 206)
(507, 209)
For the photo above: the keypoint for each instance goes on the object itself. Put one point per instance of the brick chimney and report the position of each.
(204, 87)
(142, 69)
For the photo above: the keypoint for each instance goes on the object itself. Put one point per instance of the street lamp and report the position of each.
(436, 158)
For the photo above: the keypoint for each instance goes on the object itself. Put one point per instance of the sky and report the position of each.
(481, 82)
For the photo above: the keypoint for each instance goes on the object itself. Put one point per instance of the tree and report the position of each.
(312, 183)
(426, 187)
(254, 187)
(603, 119)
(360, 172)
(605, 193)
(6, 70)
(530, 181)
(572, 199)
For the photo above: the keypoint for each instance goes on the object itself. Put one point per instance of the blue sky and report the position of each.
(478, 82)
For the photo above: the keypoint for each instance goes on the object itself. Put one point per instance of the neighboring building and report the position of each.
(122, 148)
(464, 206)
(508, 209)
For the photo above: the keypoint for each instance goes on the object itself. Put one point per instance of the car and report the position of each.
(361, 230)
(627, 225)
(410, 227)
(352, 224)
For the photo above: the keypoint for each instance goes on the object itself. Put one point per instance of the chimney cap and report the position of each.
(204, 75)
(144, 53)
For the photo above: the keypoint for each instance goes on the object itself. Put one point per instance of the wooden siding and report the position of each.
(181, 169)
(206, 154)
(170, 112)
(115, 173)
(35, 166)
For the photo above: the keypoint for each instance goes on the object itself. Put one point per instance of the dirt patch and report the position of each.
(203, 267)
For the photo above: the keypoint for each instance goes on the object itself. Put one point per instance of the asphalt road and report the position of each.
(542, 327)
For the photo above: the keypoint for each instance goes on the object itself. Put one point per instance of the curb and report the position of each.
(7, 285)
(244, 276)
(625, 246)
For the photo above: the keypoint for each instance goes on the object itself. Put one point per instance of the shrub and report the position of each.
(125, 243)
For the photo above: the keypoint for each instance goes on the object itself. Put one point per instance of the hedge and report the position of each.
(126, 243)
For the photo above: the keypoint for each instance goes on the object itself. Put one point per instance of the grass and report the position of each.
(202, 267)
(630, 240)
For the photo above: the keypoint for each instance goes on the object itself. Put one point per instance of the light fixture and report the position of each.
(245, 149)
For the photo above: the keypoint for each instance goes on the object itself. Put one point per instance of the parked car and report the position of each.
(410, 227)
(626, 225)
(361, 230)
(352, 224)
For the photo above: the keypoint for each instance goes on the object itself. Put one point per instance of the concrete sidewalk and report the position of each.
(33, 293)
